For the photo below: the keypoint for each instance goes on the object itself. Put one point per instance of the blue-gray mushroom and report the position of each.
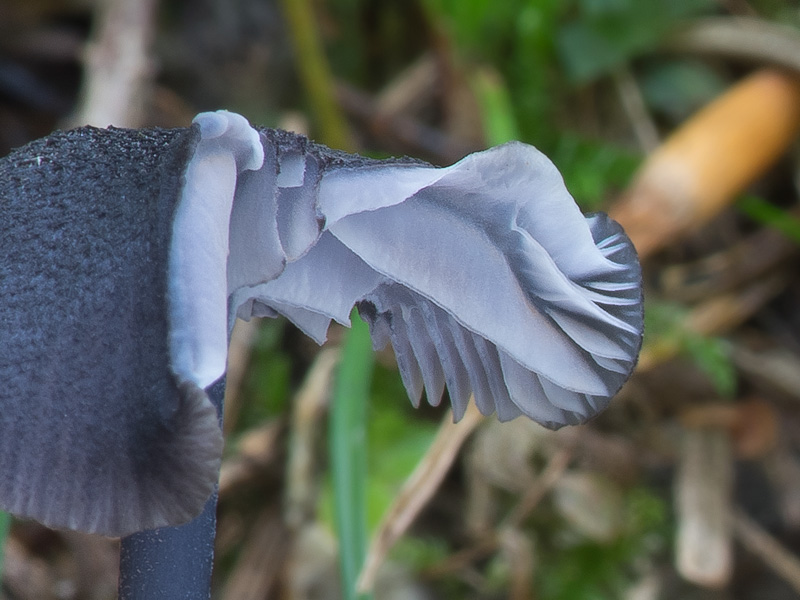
(128, 255)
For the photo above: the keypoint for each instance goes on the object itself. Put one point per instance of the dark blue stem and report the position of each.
(172, 563)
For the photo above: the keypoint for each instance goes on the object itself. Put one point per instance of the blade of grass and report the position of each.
(497, 111)
(5, 526)
(315, 74)
(348, 451)
(762, 211)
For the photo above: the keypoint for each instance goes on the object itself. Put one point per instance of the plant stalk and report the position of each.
(172, 563)
(315, 74)
(348, 448)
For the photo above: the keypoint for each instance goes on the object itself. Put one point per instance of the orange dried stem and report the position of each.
(701, 168)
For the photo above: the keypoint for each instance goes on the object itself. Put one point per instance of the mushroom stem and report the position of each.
(172, 562)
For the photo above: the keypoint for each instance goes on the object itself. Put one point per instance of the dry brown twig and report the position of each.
(119, 67)
(774, 554)
(518, 550)
(256, 450)
(260, 565)
(417, 490)
(555, 468)
(239, 350)
(412, 88)
(719, 315)
(704, 552)
(776, 369)
(308, 409)
(410, 134)
(736, 266)
(631, 98)
(745, 38)
(25, 576)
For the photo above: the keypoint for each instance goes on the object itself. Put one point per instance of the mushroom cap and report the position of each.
(484, 275)
(96, 432)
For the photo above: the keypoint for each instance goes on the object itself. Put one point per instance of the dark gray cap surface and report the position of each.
(96, 434)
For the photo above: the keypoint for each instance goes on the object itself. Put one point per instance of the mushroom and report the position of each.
(127, 256)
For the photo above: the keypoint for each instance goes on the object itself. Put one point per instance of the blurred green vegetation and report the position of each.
(271, 382)
(666, 333)
(576, 567)
(603, 35)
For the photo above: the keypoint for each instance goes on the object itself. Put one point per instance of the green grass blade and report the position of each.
(499, 124)
(348, 450)
(767, 213)
(5, 526)
(315, 74)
